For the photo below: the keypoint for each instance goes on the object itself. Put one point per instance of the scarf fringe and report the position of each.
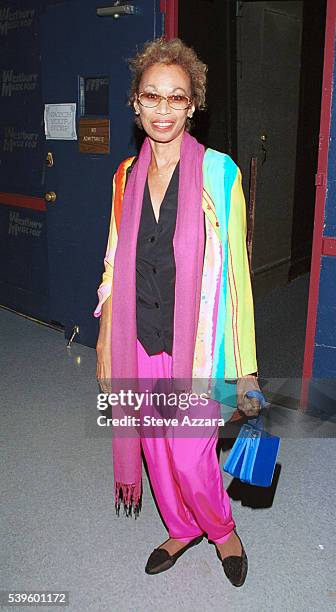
(130, 495)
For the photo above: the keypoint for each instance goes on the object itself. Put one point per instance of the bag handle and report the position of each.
(259, 395)
(257, 421)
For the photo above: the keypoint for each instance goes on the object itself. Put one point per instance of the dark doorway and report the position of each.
(313, 35)
(265, 61)
(209, 26)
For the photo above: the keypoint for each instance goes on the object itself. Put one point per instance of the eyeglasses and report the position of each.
(175, 101)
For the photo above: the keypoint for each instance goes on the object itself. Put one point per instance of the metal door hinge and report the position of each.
(49, 159)
(320, 179)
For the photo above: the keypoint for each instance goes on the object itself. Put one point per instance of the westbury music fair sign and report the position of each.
(13, 19)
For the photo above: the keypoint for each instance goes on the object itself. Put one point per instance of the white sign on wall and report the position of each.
(60, 121)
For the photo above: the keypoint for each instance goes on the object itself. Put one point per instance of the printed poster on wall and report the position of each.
(60, 121)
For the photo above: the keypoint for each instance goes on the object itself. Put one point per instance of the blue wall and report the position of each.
(51, 260)
(23, 231)
(20, 97)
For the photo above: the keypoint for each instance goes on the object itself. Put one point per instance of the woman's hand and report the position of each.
(250, 407)
(103, 371)
(103, 348)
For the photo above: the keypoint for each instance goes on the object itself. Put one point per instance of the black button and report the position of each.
(151, 239)
(158, 333)
(157, 304)
(154, 270)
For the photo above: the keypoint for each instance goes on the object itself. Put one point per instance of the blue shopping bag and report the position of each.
(253, 456)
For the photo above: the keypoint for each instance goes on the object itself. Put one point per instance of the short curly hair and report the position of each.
(174, 51)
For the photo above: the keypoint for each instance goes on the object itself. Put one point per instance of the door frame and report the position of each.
(170, 10)
(321, 245)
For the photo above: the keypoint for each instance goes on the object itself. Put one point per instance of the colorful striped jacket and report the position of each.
(225, 343)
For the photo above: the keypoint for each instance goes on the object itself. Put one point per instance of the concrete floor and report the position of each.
(59, 530)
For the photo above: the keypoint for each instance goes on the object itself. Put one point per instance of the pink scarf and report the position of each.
(188, 246)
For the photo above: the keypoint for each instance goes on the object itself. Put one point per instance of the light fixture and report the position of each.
(119, 9)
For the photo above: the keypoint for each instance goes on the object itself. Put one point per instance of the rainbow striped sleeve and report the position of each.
(240, 345)
(118, 188)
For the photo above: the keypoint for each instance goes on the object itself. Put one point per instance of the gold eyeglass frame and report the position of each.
(162, 98)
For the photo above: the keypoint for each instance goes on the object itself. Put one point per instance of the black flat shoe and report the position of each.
(160, 560)
(235, 568)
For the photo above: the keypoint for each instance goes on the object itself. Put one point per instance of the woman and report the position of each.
(177, 268)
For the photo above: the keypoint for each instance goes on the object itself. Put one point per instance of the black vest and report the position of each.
(155, 271)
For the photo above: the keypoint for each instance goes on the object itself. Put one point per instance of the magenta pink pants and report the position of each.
(184, 472)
